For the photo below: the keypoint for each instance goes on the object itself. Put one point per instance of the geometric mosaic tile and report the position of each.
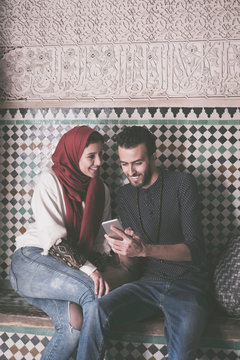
(22, 346)
(202, 141)
(135, 351)
(210, 151)
(132, 113)
(25, 346)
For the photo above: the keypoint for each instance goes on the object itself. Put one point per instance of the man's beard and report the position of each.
(146, 178)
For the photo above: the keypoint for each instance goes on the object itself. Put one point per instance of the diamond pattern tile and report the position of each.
(201, 141)
(210, 151)
(135, 351)
(22, 346)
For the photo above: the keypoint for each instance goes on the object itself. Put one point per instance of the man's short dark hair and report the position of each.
(132, 136)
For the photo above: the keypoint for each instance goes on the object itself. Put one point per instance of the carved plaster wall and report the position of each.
(119, 52)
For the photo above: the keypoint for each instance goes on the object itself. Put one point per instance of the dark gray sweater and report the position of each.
(180, 223)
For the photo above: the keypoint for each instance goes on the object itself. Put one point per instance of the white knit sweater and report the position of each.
(50, 213)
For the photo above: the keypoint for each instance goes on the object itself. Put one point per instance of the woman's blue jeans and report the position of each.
(185, 309)
(50, 285)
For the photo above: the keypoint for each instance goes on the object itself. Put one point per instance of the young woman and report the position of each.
(69, 203)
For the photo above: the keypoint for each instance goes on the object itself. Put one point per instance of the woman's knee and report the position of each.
(76, 316)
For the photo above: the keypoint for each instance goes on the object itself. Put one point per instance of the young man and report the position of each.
(161, 214)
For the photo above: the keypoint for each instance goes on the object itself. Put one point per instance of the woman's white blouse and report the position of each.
(50, 213)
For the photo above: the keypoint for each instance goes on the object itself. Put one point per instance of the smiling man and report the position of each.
(160, 213)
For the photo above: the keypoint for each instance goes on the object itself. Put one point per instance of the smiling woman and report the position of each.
(91, 159)
(63, 262)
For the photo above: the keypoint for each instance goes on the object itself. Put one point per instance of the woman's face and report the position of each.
(91, 159)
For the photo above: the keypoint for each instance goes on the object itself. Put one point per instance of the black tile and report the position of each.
(163, 111)
(186, 111)
(209, 111)
(220, 111)
(197, 111)
(152, 111)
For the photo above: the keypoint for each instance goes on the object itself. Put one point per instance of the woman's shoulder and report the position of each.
(48, 179)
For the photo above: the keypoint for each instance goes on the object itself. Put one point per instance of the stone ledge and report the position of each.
(16, 312)
(219, 327)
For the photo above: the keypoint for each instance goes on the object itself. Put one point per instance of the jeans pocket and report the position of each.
(13, 279)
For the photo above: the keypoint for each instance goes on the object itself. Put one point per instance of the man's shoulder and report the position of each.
(179, 180)
(177, 175)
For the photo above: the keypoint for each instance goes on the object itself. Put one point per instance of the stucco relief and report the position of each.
(119, 50)
(51, 22)
(190, 69)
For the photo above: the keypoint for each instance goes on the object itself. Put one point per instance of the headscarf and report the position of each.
(81, 225)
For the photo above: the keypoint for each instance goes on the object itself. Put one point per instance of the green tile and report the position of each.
(7, 122)
(201, 158)
(23, 174)
(22, 211)
(231, 198)
(32, 165)
(201, 168)
(233, 122)
(202, 149)
(32, 174)
(158, 122)
(65, 122)
(23, 165)
(172, 121)
(4, 256)
(5, 210)
(232, 149)
(5, 220)
(30, 122)
(222, 149)
(221, 198)
(5, 229)
(212, 149)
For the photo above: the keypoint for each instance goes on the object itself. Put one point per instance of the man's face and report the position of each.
(137, 166)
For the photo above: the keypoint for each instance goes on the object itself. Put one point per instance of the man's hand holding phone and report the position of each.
(109, 227)
(125, 243)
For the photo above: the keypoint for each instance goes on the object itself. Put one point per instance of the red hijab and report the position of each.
(81, 225)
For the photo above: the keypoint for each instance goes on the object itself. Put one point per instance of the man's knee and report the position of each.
(96, 314)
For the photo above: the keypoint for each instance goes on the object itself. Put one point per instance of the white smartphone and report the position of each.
(107, 226)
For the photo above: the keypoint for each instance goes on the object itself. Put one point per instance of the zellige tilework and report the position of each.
(202, 141)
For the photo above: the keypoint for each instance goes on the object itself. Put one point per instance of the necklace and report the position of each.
(160, 210)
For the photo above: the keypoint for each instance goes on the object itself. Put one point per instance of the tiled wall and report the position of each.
(202, 141)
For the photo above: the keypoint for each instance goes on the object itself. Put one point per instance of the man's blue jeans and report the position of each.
(185, 309)
(50, 285)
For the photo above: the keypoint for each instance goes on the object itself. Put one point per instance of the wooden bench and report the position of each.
(25, 331)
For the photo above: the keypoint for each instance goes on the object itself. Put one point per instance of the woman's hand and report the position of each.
(101, 286)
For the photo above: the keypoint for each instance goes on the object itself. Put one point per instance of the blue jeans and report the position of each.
(185, 309)
(50, 285)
